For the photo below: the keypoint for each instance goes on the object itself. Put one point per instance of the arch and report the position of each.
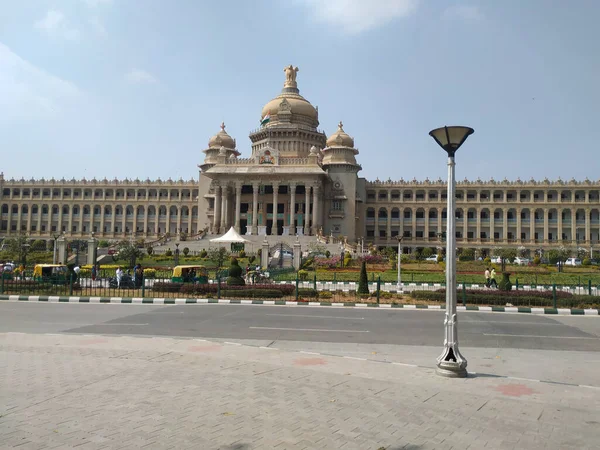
(420, 213)
(395, 213)
(471, 213)
(174, 193)
(120, 193)
(162, 210)
(498, 195)
(433, 213)
(151, 211)
(565, 215)
(140, 211)
(108, 210)
(370, 213)
(195, 211)
(580, 215)
(54, 210)
(538, 215)
(566, 195)
(408, 213)
(382, 195)
(96, 210)
(407, 195)
(34, 209)
(4, 208)
(552, 215)
(65, 209)
(45, 209)
(459, 213)
(24, 209)
(118, 210)
(382, 213)
(595, 215)
(173, 211)
(76, 209)
(185, 211)
(98, 193)
(152, 193)
(499, 215)
(484, 214)
(552, 195)
(86, 209)
(129, 211)
(15, 209)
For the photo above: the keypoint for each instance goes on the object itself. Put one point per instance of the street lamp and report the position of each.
(399, 281)
(342, 254)
(25, 251)
(55, 236)
(177, 254)
(451, 363)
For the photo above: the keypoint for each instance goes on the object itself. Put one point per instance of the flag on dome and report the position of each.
(266, 118)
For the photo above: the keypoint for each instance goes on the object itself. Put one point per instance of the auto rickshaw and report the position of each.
(51, 273)
(190, 274)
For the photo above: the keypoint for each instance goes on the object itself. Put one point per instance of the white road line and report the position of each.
(524, 379)
(268, 348)
(493, 322)
(121, 324)
(232, 343)
(536, 336)
(353, 357)
(308, 329)
(309, 353)
(317, 317)
(589, 387)
(404, 364)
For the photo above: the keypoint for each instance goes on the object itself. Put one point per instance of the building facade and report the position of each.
(299, 181)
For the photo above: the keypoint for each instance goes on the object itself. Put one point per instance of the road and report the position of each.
(309, 324)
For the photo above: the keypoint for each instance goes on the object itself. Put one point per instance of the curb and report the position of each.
(193, 301)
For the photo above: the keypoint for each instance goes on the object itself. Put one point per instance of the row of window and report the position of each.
(118, 228)
(162, 210)
(483, 215)
(471, 235)
(594, 195)
(140, 194)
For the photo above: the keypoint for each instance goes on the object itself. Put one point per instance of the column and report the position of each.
(545, 224)
(146, 220)
(588, 219)
(478, 224)
(573, 225)
(39, 219)
(168, 223)
(179, 212)
(292, 209)
(217, 209)
(224, 209)
(316, 209)
(307, 210)
(505, 225)
(275, 201)
(519, 224)
(440, 224)
(101, 230)
(255, 187)
(493, 224)
(238, 205)
(532, 225)
(388, 230)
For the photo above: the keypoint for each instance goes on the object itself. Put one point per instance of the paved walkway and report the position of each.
(95, 391)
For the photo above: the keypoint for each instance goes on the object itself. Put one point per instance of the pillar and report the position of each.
(255, 187)
(224, 209)
(61, 246)
(573, 225)
(315, 213)
(293, 211)
(91, 251)
(238, 204)
(275, 200)
(264, 254)
(217, 209)
(545, 225)
(588, 219)
(297, 254)
(307, 210)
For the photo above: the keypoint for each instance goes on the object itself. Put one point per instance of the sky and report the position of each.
(135, 88)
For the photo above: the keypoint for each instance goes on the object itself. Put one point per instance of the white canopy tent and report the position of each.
(230, 237)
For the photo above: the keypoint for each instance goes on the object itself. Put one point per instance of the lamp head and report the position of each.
(451, 138)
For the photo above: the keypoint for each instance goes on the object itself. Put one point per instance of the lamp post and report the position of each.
(55, 236)
(399, 280)
(342, 255)
(177, 254)
(451, 363)
(24, 255)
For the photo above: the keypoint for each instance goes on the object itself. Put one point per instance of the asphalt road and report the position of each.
(308, 324)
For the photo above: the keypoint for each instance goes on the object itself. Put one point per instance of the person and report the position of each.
(487, 277)
(493, 278)
(76, 270)
(94, 272)
(139, 275)
(119, 276)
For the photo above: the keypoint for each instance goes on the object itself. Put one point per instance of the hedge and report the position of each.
(515, 298)
(252, 293)
(204, 289)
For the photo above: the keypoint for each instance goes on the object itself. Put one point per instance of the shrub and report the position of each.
(440, 258)
(149, 250)
(38, 244)
(505, 284)
(169, 252)
(586, 262)
(306, 292)
(487, 261)
(251, 259)
(103, 244)
(516, 298)
(167, 287)
(242, 254)
(203, 253)
(186, 251)
(302, 275)
(536, 261)
(149, 273)
(235, 274)
(363, 284)
(325, 294)
(259, 252)
(253, 293)
(347, 259)
(327, 254)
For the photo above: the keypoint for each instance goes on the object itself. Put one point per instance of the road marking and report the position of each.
(268, 348)
(309, 353)
(121, 324)
(308, 329)
(353, 357)
(404, 364)
(493, 322)
(317, 317)
(524, 379)
(232, 343)
(536, 336)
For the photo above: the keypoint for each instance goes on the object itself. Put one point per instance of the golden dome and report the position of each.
(221, 139)
(290, 101)
(340, 138)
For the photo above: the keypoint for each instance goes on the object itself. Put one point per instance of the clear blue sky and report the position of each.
(132, 88)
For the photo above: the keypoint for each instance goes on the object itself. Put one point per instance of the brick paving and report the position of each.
(102, 392)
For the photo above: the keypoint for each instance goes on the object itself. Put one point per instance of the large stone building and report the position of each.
(298, 181)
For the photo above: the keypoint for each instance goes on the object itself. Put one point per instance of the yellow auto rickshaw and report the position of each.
(51, 273)
(190, 274)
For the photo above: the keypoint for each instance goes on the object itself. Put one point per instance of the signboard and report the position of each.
(237, 247)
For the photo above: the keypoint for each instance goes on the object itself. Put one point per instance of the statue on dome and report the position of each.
(290, 76)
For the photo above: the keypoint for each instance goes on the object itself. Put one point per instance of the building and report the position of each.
(299, 182)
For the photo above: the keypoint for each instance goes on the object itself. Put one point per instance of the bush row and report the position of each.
(201, 289)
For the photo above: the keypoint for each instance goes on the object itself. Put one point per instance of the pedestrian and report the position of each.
(94, 272)
(487, 277)
(493, 278)
(76, 272)
(119, 274)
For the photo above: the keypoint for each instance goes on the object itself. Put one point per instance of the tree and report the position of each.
(466, 254)
(149, 250)
(186, 251)
(506, 255)
(128, 251)
(558, 255)
(363, 281)
(218, 255)
(235, 274)
(426, 253)
(103, 244)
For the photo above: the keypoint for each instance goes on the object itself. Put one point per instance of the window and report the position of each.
(469, 235)
(523, 236)
(496, 235)
(407, 234)
(419, 234)
(407, 214)
(420, 214)
(382, 233)
(483, 235)
(336, 205)
(509, 196)
(370, 233)
(510, 235)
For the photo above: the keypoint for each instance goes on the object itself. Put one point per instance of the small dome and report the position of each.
(221, 139)
(340, 138)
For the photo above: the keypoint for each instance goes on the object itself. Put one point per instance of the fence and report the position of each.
(305, 291)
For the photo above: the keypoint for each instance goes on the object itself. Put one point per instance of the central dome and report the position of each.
(290, 104)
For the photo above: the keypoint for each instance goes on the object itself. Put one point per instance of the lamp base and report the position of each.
(452, 370)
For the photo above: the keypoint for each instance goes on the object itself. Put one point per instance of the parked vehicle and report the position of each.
(572, 262)
(126, 282)
(432, 258)
(190, 274)
(521, 261)
(51, 273)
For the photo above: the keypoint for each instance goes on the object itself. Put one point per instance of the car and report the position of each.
(433, 258)
(496, 260)
(521, 261)
(572, 262)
